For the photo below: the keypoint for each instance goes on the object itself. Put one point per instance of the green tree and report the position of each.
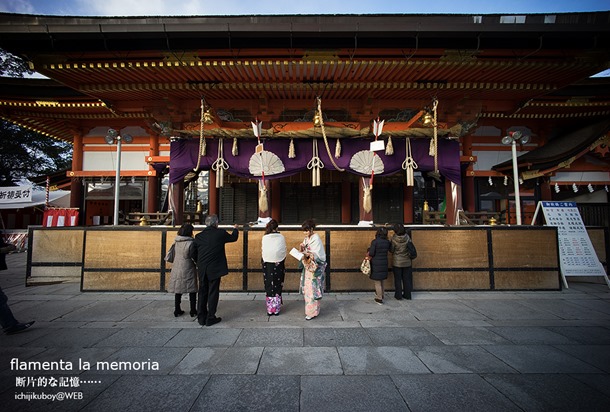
(13, 66)
(26, 154)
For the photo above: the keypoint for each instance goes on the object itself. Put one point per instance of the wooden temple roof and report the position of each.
(156, 70)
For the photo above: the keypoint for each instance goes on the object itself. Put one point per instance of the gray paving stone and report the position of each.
(149, 393)
(467, 336)
(53, 310)
(540, 359)
(567, 308)
(300, 361)
(460, 359)
(451, 392)
(588, 335)
(336, 337)
(204, 337)
(72, 337)
(220, 361)
(350, 394)
(138, 337)
(383, 360)
(532, 335)
(270, 337)
(409, 336)
(599, 383)
(597, 305)
(112, 311)
(509, 309)
(596, 355)
(444, 310)
(249, 393)
(554, 392)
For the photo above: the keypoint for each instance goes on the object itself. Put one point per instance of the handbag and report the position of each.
(411, 249)
(365, 266)
(171, 253)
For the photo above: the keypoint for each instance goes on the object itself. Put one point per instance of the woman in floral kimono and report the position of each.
(314, 268)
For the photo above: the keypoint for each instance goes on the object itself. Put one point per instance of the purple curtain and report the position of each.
(183, 156)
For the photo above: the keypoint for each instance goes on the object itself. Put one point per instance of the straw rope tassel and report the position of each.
(315, 164)
(219, 165)
(389, 149)
(338, 148)
(235, 150)
(291, 152)
(409, 164)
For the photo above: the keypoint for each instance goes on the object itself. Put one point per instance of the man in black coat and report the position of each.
(211, 266)
(10, 325)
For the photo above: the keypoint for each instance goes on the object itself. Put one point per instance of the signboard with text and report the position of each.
(577, 256)
(15, 194)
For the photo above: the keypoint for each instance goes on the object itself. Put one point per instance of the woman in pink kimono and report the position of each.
(314, 268)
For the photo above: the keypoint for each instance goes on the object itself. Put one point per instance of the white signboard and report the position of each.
(576, 254)
(15, 194)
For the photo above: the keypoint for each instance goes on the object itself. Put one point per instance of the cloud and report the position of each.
(17, 6)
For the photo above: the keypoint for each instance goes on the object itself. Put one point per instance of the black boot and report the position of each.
(193, 301)
(177, 310)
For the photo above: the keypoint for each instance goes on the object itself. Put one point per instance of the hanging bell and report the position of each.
(317, 119)
(208, 118)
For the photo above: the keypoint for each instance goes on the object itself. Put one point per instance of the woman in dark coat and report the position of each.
(378, 251)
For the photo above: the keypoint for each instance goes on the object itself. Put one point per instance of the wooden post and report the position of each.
(276, 199)
(212, 194)
(346, 204)
(407, 198)
(152, 203)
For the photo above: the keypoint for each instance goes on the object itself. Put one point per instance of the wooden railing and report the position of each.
(465, 218)
(163, 218)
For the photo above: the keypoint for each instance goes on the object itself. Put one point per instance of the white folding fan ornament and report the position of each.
(265, 163)
(366, 162)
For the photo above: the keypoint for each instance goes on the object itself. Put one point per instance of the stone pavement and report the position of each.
(441, 351)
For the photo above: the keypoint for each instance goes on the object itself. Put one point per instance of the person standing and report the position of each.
(10, 325)
(274, 270)
(378, 251)
(314, 268)
(183, 278)
(211, 259)
(401, 263)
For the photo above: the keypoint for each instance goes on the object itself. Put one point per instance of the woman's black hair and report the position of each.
(309, 224)
(271, 226)
(399, 229)
(186, 230)
(382, 232)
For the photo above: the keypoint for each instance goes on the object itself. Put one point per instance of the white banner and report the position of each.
(576, 254)
(15, 194)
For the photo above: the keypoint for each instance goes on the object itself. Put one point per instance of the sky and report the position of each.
(246, 7)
